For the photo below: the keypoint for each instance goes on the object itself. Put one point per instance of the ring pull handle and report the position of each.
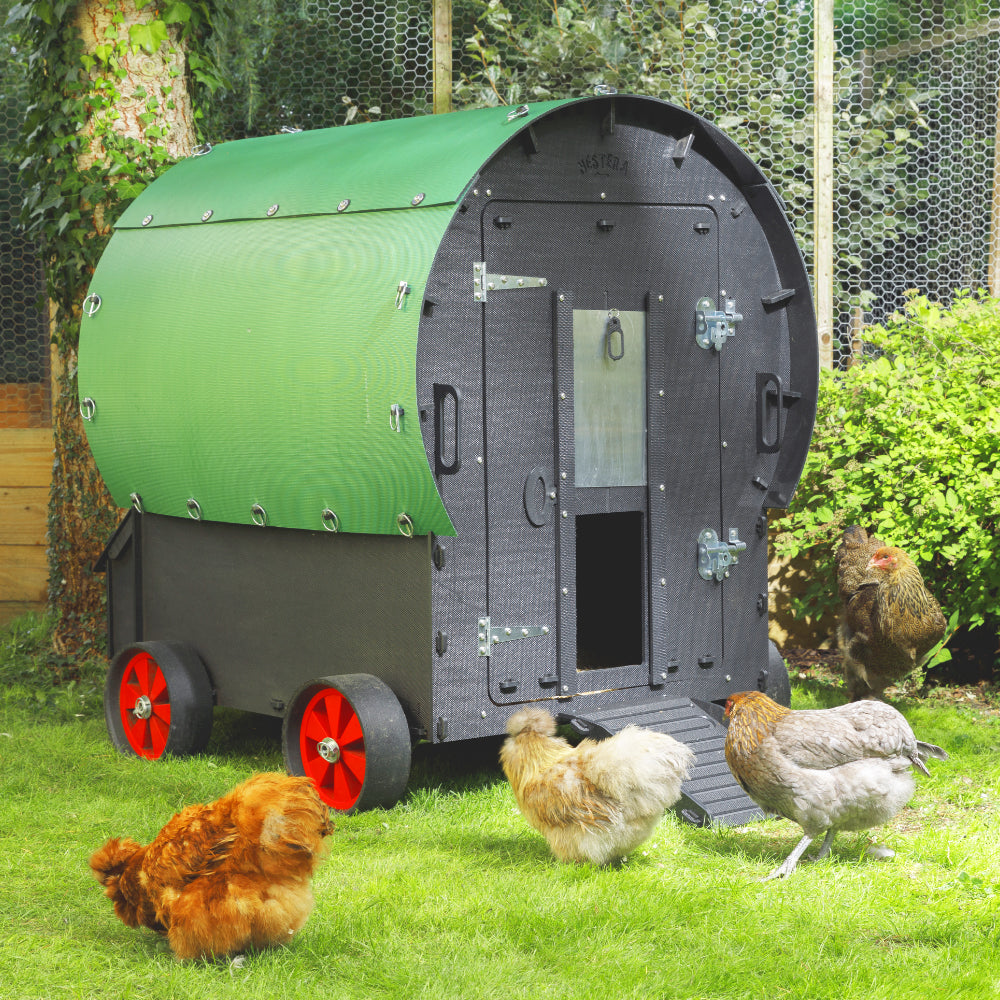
(405, 524)
(330, 520)
(443, 393)
(91, 303)
(258, 515)
(396, 418)
(88, 408)
(519, 112)
(615, 351)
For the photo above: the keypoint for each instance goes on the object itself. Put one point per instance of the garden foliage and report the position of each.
(905, 444)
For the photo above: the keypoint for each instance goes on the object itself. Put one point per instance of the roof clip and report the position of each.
(402, 290)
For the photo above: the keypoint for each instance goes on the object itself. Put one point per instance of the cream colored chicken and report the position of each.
(598, 800)
(843, 768)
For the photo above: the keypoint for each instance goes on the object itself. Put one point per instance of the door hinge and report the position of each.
(715, 556)
(712, 326)
(484, 282)
(490, 635)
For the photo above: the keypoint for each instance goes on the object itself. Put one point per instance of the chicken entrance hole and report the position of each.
(609, 589)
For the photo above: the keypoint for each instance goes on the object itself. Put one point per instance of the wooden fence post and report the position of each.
(993, 267)
(823, 177)
(442, 56)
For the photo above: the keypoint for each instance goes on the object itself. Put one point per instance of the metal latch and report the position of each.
(484, 282)
(715, 556)
(489, 636)
(712, 327)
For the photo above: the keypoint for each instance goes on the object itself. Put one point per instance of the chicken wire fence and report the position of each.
(881, 134)
(24, 371)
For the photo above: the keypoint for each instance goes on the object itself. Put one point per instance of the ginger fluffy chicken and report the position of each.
(227, 876)
(596, 801)
(889, 621)
(830, 769)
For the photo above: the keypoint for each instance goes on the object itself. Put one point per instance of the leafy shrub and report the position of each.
(905, 443)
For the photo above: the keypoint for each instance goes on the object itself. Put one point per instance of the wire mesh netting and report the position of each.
(943, 61)
(24, 353)
(915, 90)
(317, 63)
(915, 156)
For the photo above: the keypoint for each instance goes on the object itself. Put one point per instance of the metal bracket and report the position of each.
(712, 327)
(490, 636)
(484, 282)
(715, 556)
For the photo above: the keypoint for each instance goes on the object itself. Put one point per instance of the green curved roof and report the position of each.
(373, 165)
(253, 357)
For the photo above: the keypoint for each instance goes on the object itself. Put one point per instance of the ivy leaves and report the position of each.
(81, 168)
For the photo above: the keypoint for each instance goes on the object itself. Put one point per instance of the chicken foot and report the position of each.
(788, 865)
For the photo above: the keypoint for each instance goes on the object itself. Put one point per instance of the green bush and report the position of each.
(906, 444)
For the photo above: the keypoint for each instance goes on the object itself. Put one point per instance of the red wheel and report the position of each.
(144, 703)
(158, 700)
(349, 735)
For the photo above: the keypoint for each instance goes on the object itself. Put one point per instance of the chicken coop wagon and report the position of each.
(421, 420)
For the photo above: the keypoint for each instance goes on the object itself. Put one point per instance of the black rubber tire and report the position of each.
(372, 768)
(183, 686)
(777, 684)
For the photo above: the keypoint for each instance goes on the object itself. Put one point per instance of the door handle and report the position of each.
(441, 394)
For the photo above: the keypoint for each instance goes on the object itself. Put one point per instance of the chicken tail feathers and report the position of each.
(925, 750)
(108, 862)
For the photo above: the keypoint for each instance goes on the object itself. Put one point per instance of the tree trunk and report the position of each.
(81, 513)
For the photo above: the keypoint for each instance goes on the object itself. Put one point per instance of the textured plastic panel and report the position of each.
(257, 363)
(374, 166)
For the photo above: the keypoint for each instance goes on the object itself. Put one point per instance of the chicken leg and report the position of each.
(788, 865)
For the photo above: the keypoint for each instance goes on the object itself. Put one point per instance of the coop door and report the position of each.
(602, 447)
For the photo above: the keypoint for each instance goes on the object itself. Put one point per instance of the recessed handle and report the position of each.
(442, 395)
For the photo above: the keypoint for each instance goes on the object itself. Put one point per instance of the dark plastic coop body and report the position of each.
(422, 420)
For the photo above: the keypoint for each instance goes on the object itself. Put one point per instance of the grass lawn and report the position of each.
(451, 895)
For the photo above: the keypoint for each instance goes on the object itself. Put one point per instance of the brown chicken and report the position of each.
(889, 621)
(844, 768)
(224, 877)
(598, 800)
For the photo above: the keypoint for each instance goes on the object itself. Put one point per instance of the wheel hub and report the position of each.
(143, 707)
(328, 750)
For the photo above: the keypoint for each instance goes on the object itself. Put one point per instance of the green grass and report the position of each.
(451, 895)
